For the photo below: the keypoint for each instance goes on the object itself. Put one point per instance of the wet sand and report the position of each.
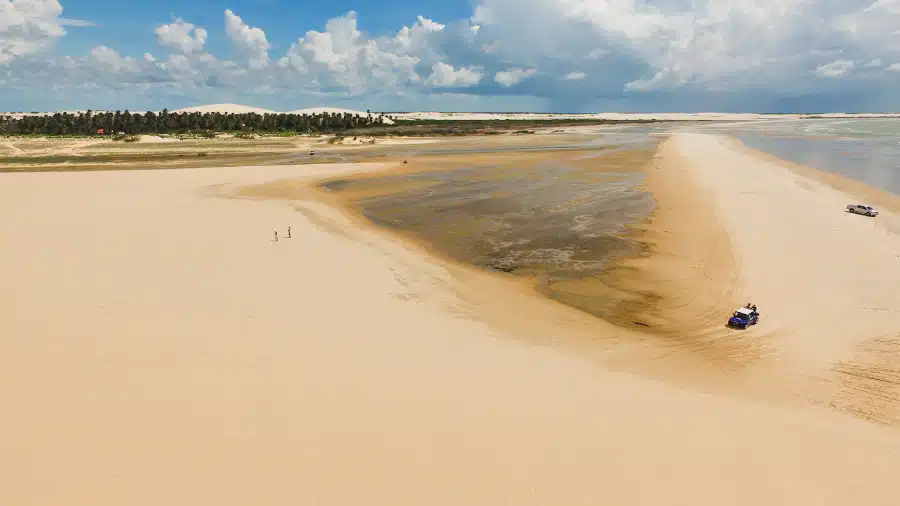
(553, 218)
(595, 229)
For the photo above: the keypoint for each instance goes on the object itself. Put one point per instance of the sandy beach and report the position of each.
(777, 234)
(157, 346)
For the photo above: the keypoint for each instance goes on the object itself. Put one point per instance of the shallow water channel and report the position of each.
(553, 216)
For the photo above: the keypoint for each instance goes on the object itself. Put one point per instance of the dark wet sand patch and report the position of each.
(552, 219)
(576, 229)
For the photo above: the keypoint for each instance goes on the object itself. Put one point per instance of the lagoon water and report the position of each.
(562, 214)
(550, 216)
(553, 217)
(866, 150)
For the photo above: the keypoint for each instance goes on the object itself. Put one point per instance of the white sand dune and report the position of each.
(243, 109)
(335, 110)
(329, 110)
(616, 116)
(154, 139)
(224, 109)
(484, 116)
(157, 347)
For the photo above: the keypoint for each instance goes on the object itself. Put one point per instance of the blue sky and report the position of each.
(479, 55)
(128, 25)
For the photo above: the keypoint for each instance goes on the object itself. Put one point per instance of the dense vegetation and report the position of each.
(127, 123)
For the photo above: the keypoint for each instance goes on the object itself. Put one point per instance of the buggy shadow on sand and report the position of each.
(743, 318)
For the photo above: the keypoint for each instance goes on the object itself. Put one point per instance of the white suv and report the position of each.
(861, 209)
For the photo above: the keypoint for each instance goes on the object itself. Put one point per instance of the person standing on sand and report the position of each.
(289, 232)
(276, 236)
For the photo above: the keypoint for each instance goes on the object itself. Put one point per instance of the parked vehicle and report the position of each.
(862, 209)
(743, 318)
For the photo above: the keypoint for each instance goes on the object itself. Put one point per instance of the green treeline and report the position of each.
(88, 123)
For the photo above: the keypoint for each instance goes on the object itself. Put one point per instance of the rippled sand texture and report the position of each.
(552, 218)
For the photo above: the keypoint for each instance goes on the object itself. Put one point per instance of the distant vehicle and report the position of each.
(862, 209)
(743, 318)
(312, 153)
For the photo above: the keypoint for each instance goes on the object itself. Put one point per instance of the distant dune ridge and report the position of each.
(216, 109)
(621, 116)
(243, 109)
(389, 118)
(224, 109)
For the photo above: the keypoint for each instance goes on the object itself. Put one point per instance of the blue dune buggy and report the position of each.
(743, 318)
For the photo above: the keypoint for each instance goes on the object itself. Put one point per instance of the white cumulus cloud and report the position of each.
(342, 57)
(181, 36)
(575, 76)
(836, 68)
(251, 43)
(111, 61)
(444, 75)
(513, 76)
(28, 26)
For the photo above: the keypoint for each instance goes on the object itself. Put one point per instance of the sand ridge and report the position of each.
(826, 283)
(686, 251)
(692, 274)
(780, 224)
